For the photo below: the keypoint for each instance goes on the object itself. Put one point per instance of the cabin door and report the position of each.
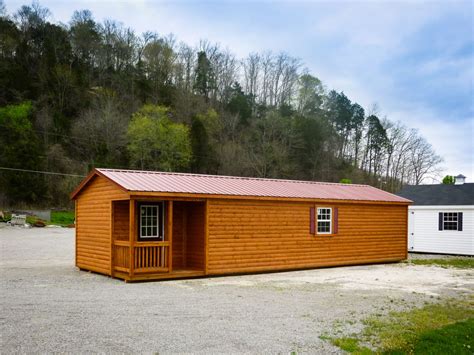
(411, 230)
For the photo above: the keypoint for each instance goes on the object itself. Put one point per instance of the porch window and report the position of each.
(151, 221)
(324, 220)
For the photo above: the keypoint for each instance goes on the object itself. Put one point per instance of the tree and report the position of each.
(159, 59)
(204, 81)
(157, 143)
(13, 76)
(267, 149)
(100, 132)
(240, 104)
(21, 149)
(85, 44)
(310, 94)
(341, 114)
(251, 67)
(309, 150)
(358, 117)
(377, 143)
(204, 130)
(424, 161)
(85, 37)
(448, 180)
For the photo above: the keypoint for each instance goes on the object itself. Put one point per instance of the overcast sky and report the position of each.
(415, 59)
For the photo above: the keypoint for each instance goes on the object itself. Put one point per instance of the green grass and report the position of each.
(445, 328)
(402, 330)
(462, 263)
(457, 338)
(59, 218)
(351, 345)
(62, 218)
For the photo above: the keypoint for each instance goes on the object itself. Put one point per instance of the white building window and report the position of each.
(324, 220)
(151, 221)
(450, 221)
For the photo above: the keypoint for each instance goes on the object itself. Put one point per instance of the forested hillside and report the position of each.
(88, 94)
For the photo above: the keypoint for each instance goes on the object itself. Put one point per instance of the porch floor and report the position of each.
(175, 274)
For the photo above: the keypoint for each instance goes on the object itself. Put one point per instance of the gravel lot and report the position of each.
(47, 305)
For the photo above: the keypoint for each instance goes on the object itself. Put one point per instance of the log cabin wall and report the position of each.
(251, 236)
(93, 235)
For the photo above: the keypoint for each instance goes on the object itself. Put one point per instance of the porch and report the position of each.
(155, 239)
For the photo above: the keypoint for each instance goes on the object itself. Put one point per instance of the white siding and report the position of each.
(427, 238)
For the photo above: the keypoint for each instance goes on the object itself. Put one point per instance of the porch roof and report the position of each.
(181, 183)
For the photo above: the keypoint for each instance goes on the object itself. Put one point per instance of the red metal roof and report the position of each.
(153, 181)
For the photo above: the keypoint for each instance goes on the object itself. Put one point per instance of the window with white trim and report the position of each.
(450, 221)
(324, 220)
(152, 221)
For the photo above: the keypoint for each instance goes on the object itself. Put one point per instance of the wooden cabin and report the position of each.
(139, 225)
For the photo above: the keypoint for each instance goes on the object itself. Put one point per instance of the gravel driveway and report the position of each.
(47, 305)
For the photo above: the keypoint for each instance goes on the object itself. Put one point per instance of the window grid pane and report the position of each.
(324, 220)
(150, 224)
(450, 221)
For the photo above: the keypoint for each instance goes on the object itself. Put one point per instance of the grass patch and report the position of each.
(462, 263)
(401, 331)
(457, 338)
(445, 328)
(62, 218)
(59, 218)
(351, 345)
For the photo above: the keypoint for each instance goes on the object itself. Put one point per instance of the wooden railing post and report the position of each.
(170, 235)
(132, 232)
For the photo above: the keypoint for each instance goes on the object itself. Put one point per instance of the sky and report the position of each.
(414, 59)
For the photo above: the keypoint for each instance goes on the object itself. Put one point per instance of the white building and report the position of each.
(441, 219)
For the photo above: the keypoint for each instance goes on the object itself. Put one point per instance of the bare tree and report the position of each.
(251, 66)
(184, 67)
(424, 160)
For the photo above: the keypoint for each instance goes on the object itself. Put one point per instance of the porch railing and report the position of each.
(151, 257)
(147, 256)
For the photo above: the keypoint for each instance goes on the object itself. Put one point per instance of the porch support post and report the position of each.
(170, 235)
(132, 232)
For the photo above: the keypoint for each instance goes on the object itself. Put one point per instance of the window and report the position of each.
(450, 221)
(151, 221)
(324, 220)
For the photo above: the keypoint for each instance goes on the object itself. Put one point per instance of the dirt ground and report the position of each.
(47, 305)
